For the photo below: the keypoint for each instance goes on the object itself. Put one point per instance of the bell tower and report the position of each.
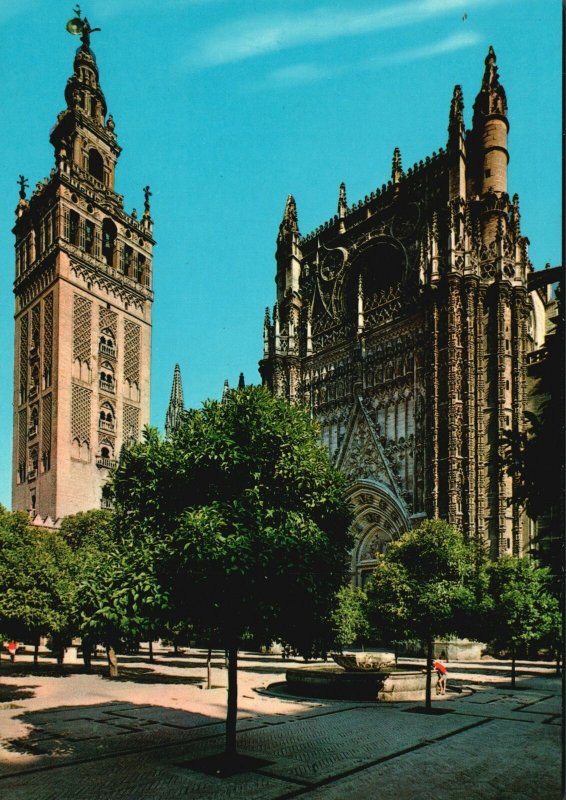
(83, 292)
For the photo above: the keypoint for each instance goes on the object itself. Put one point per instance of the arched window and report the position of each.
(106, 381)
(106, 417)
(95, 165)
(106, 343)
(108, 241)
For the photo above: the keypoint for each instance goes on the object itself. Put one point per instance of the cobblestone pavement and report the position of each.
(71, 736)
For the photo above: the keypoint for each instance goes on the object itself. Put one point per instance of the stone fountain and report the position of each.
(358, 676)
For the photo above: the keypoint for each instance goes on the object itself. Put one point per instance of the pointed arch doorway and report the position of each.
(379, 518)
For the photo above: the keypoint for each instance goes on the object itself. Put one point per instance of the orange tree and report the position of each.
(523, 610)
(246, 524)
(424, 586)
(37, 581)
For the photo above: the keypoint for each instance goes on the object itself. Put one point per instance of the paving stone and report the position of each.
(128, 741)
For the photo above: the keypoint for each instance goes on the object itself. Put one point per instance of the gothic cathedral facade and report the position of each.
(83, 291)
(404, 324)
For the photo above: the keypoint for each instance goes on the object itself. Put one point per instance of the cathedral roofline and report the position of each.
(381, 197)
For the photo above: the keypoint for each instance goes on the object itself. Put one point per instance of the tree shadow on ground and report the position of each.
(12, 694)
(147, 676)
(66, 733)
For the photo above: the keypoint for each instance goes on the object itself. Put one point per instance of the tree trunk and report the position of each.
(428, 693)
(513, 668)
(87, 653)
(112, 661)
(175, 648)
(232, 713)
(209, 668)
(36, 652)
(151, 659)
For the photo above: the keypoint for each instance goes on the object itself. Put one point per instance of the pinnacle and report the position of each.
(290, 213)
(490, 58)
(289, 224)
(396, 166)
(176, 407)
(342, 202)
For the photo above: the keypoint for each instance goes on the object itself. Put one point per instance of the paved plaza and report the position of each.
(65, 735)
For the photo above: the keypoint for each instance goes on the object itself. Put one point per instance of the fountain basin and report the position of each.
(362, 662)
(393, 684)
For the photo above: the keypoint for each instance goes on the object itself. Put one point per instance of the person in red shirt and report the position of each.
(442, 672)
(12, 647)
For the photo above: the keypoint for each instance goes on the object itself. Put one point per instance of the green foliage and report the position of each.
(350, 618)
(37, 579)
(117, 596)
(242, 517)
(423, 586)
(523, 610)
(88, 530)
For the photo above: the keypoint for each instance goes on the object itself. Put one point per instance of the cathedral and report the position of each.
(405, 324)
(83, 291)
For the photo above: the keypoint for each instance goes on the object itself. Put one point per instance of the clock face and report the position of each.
(332, 265)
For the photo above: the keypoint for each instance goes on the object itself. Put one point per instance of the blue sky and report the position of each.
(226, 106)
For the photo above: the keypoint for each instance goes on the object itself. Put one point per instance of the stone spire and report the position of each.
(289, 224)
(489, 132)
(225, 390)
(176, 407)
(288, 254)
(491, 98)
(241, 381)
(456, 119)
(457, 146)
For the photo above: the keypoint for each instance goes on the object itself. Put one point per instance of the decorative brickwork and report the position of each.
(131, 423)
(24, 355)
(22, 438)
(81, 414)
(35, 314)
(108, 320)
(46, 410)
(82, 326)
(47, 338)
(132, 339)
(79, 263)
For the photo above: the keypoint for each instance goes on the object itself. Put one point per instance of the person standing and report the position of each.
(442, 672)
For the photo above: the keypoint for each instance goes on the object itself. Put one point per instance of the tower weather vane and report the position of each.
(147, 195)
(78, 25)
(23, 184)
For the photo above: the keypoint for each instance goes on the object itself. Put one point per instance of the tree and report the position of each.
(534, 456)
(246, 521)
(36, 580)
(116, 596)
(424, 587)
(350, 618)
(523, 609)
